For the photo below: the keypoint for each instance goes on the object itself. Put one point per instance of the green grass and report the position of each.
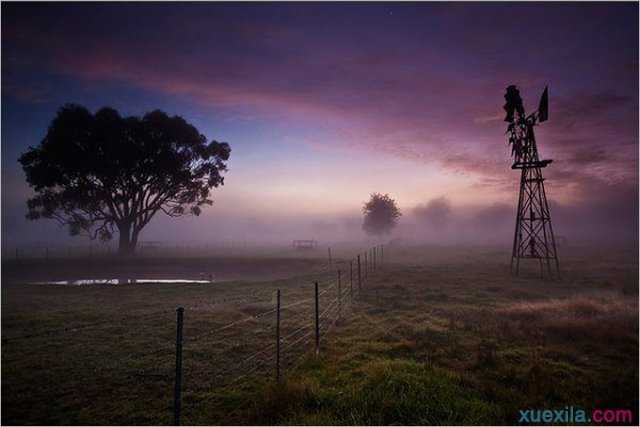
(380, 392)
(435, 338)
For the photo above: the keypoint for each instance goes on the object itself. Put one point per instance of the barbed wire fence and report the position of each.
(270, 335)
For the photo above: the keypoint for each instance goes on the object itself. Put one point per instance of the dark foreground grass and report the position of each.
(457, 341)
(378, 393)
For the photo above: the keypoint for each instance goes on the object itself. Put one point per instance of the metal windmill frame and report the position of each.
(533, 237)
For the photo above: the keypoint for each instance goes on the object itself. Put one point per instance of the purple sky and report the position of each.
(325, 103)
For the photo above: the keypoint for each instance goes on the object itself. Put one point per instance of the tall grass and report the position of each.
(388, 392)
(596, 316)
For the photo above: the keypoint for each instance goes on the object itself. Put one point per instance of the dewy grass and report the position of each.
(407, 392)
(421, 345)
(401, 392)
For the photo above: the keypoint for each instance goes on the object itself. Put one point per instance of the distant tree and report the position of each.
(380, 214)
(437, 212)
(96, 173)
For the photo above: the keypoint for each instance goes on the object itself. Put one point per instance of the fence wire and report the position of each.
(224, 354)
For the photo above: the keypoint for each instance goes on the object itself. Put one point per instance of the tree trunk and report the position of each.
(126, 246)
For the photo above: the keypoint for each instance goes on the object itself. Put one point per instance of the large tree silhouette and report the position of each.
(98, 173)
(380, 214)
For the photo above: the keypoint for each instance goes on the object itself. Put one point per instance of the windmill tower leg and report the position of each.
(546, 221)
(533, 238)
(553, 238)
(517, 235)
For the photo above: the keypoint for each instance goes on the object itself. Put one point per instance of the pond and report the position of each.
(122, 282)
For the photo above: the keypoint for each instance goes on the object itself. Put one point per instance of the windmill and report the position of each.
(533, 237)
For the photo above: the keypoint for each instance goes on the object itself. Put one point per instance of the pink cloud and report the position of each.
(406, 103)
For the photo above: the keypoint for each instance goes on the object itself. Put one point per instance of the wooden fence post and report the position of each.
(365, 265)
(278, 337)
(329, 251)
(339, 295)
(351, 281)
(381, 254)
(375, 255)
(178, 380)
(372, 260)
(359, 276)
(317, 320)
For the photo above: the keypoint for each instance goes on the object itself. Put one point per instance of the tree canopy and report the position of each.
(380, 214)
(98, 173)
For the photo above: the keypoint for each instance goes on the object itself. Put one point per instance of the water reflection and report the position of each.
(123, 282)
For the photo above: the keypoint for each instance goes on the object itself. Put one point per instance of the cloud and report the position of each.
(489, 119)
(403, 87)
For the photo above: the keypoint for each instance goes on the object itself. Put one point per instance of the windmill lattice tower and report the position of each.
(533, 238)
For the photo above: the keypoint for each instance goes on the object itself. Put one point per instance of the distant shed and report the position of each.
(150, 246)
(304, 244)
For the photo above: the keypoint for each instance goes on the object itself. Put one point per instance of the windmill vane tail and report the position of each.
(543, 107)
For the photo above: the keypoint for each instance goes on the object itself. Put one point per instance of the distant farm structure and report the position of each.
(301, 245)
(151, 245)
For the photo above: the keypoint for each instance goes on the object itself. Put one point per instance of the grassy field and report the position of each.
(437, 336)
